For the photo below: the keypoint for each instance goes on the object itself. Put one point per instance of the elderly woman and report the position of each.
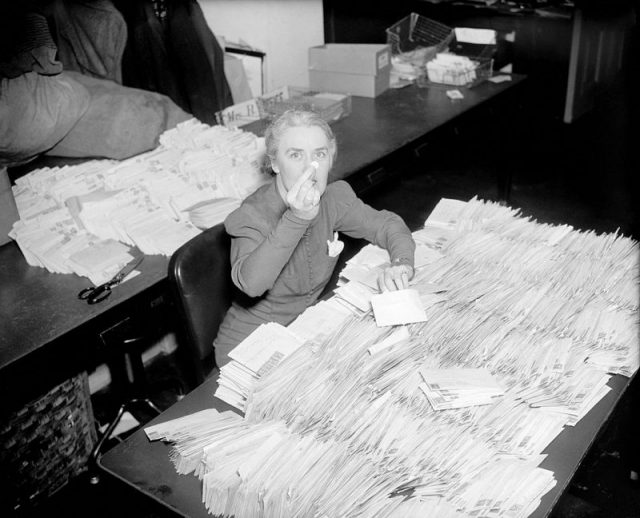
(284, 244)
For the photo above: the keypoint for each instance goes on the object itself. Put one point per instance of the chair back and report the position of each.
(201, 288)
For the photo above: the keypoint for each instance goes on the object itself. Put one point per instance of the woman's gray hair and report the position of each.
(295, 118)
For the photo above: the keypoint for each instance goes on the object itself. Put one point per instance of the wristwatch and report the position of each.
(400, 261)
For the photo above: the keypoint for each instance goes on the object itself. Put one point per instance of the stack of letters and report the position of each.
(459, 387)
(155, 201)
(449, 416)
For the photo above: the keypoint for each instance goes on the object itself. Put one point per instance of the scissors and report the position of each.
(95, 294)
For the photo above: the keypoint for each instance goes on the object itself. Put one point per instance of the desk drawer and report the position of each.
(368, 179)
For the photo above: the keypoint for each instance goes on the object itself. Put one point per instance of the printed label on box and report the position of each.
(383, 60)
(239, 114)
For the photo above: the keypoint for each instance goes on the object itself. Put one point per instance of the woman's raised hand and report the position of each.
(304, 197)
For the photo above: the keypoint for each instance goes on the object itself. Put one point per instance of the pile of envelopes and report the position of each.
(83, 218)
(342, 418)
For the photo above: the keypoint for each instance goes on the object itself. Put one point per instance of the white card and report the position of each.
(393, 308)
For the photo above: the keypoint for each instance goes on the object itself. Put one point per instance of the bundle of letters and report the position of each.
(84, 218)
(446, 416)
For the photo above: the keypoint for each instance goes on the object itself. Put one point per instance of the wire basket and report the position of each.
(46, 443)
(329, 106)
(415, 32)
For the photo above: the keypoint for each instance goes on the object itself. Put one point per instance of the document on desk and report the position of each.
(426, 255)
(320, 320)
(263, 349)
(392, 308)
(446, 213)
(357, 295)
(169, 430)
(433, 237)
(31, 204)
(189, 433)
(459, 387)
(209, 213)
(370, 256)
(525, 321)
(57, 242)
(360, 270)
(366, 275)
(398, 336)
(254, 357)
(474, 35)
(101, 259)
(505, 483)
(234, 384)
(500, 78)
(146, 200)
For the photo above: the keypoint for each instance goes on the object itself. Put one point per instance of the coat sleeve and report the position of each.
(260, 251)
(380, 227)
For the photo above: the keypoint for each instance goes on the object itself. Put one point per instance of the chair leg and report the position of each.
(128, 380)
(97, 450)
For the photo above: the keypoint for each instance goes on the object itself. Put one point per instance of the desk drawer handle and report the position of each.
(376, 176)
(421, 150)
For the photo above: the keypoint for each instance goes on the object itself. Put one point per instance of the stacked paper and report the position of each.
(451, 69)
(155, 201)
(255, 356)
(399, 307)
(458, 388)
(54, 240)
(320, 321)
(446, 214)
(212, 212)
(525, 322)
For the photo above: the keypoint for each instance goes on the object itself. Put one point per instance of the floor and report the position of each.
(580, 175)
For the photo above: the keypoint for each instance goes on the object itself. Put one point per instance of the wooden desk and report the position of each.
(45, 327)
(146, 467)
(41, 318)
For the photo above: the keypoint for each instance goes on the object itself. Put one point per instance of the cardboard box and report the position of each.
(353, 84)
(356, 69)
(356, 58)
(8, 210)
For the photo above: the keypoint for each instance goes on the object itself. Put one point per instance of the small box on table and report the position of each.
(357, 69)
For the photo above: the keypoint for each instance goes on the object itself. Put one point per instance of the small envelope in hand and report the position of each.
(336, 246)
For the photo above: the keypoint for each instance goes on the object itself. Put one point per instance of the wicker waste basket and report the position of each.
(46, 443)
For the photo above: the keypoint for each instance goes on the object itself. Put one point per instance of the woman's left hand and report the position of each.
(395, 277)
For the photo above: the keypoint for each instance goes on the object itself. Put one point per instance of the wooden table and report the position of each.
(45, 328)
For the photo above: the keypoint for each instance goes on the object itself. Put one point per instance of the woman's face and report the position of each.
(299, 146)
